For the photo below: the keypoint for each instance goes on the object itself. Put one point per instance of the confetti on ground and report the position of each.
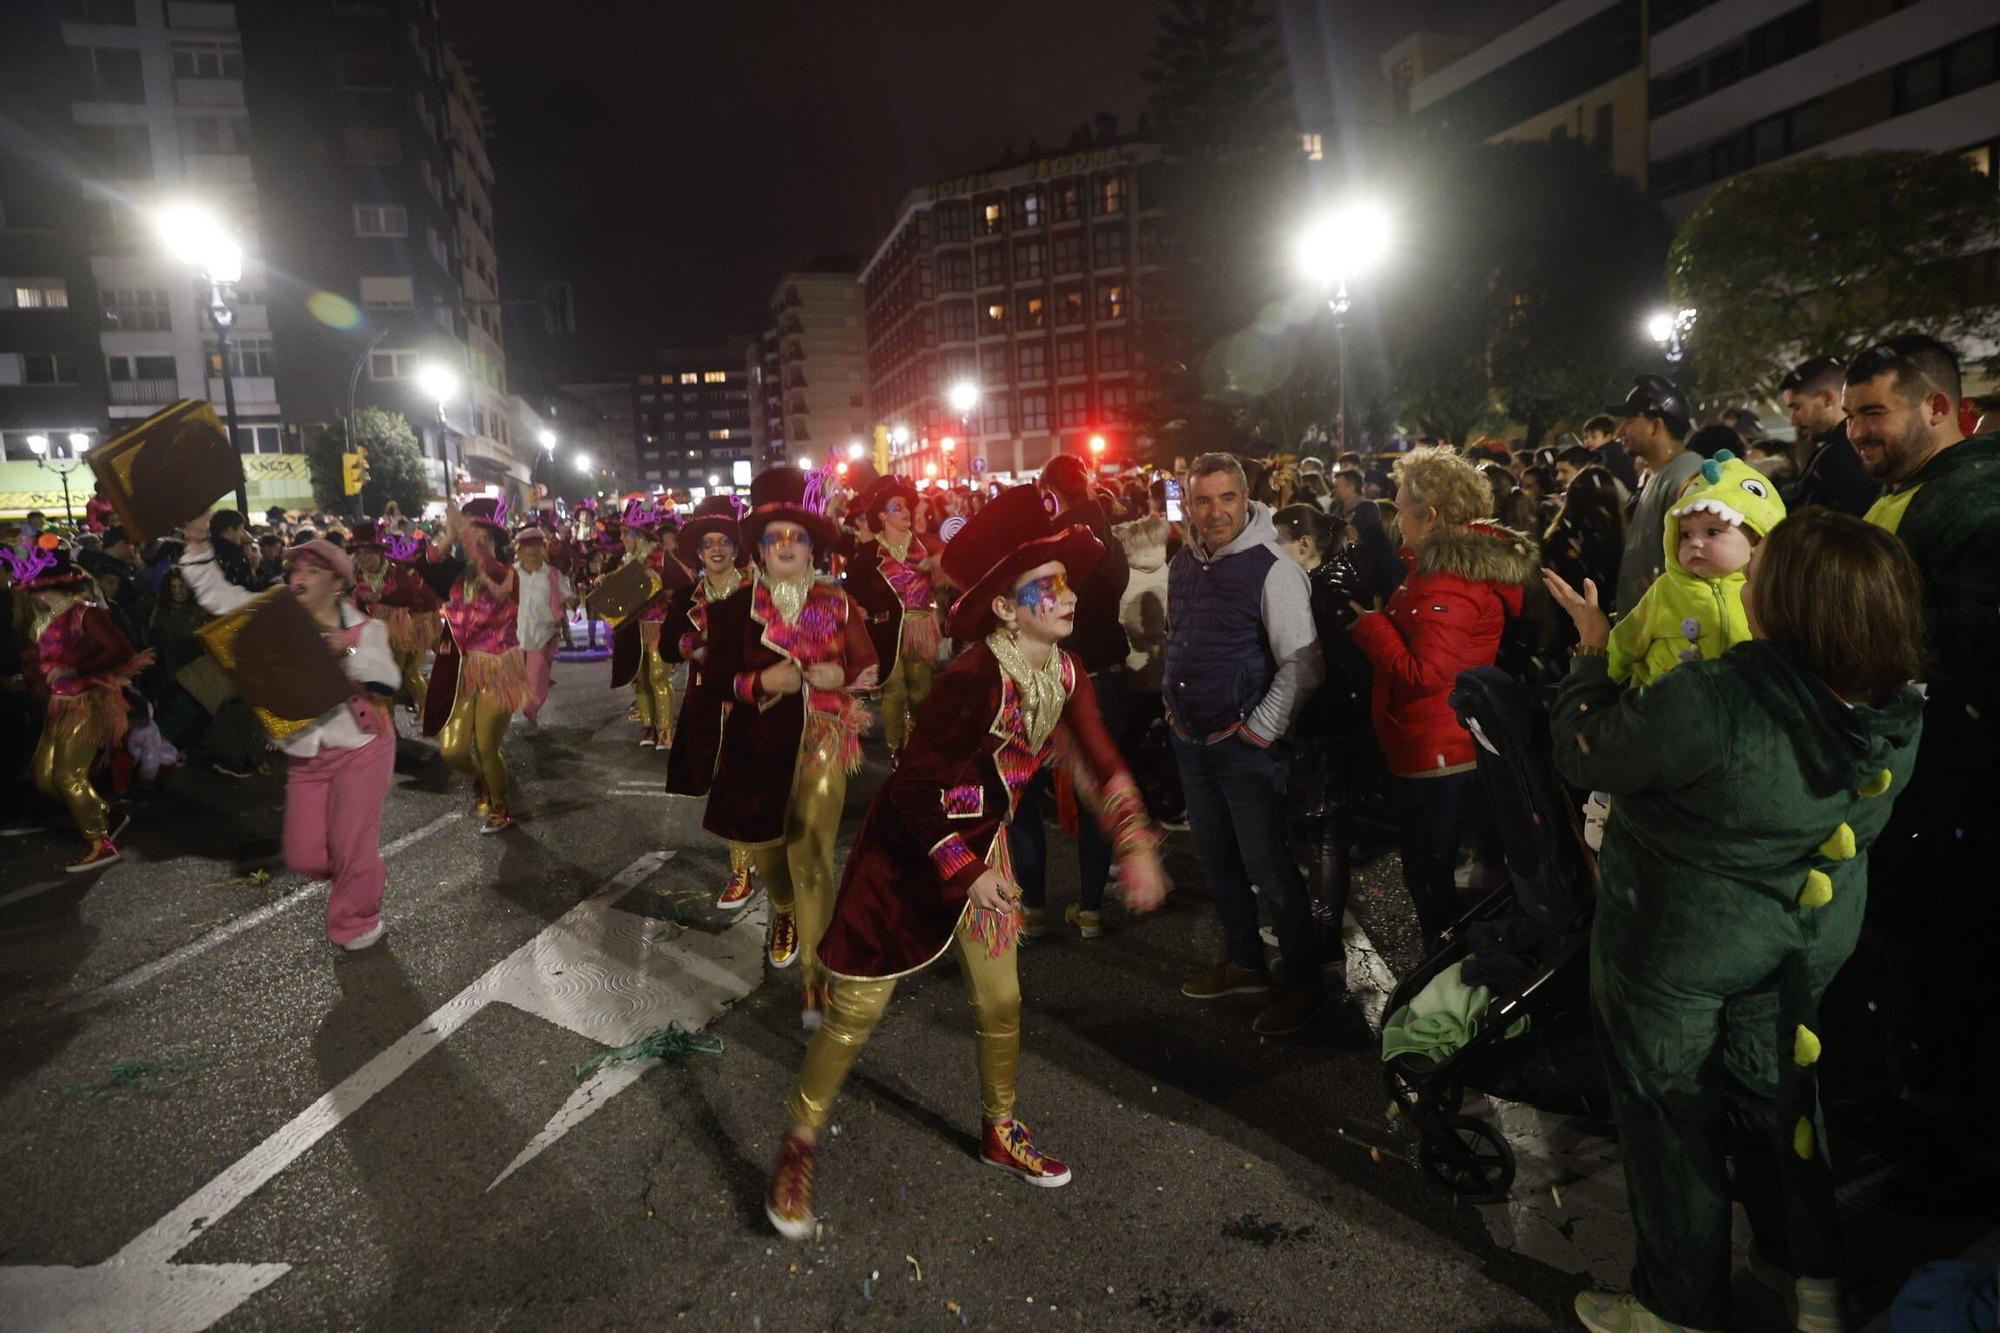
(138, 1076)
(673, 1039)
(911, 1260)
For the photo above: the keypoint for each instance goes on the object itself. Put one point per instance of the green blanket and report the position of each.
(1443, 1017)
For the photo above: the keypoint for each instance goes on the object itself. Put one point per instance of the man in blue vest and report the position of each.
(1242, 656)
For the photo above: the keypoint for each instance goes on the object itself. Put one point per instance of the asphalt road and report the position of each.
(210, 1118)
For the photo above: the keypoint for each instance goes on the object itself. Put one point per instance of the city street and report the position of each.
(212, 1118)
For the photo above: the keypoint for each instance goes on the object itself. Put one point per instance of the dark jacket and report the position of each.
(1834, 477)
(1098, 640)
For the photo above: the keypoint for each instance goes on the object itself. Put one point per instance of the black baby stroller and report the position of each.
(1527, 942)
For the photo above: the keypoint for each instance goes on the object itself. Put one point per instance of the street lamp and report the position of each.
(582, 462)
(194, 236)
(1670, 328)
(1348, 241)
(79, 443)
(1096, 453)
(855, 451)
(964, 399)
(438, 383)
(547, 440)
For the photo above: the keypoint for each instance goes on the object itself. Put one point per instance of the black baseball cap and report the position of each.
(1656, 396)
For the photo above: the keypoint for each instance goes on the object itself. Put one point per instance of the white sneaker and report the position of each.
(373, 935)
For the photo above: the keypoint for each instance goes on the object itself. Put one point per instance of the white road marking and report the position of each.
(32, 890)
(159, 967)
(595, 971)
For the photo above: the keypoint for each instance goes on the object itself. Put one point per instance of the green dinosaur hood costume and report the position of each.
(1684, 617)
(1734, 879)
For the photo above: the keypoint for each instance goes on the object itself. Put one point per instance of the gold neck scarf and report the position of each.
(719, 589)
(789, 597)
(900, 550)
(1041, 687)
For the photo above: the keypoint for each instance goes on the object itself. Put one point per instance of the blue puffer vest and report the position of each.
(1219, 663)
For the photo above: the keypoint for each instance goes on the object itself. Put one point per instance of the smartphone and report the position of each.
(1175, 514)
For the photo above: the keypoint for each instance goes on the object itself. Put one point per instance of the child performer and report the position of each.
(80, 663)
(929, 870)
(890, 577)
(545, 598)
(636, 657)
(712, 533)
(342, 764)
(389, 590)
(791, 652)
(482, 615)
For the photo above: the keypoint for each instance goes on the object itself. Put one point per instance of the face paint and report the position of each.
(774, 538)
(1040, 597)
(716, 542)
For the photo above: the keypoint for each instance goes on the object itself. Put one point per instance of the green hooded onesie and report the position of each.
(1684, 617)
(1733, 884)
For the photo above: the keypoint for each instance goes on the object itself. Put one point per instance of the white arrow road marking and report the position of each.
(595, 971)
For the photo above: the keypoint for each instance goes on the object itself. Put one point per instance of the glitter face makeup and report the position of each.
(776, 537)
(1040, 596)
(715, 541)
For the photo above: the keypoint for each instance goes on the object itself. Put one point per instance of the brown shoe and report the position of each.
(1293, 1009)
(1226, 978)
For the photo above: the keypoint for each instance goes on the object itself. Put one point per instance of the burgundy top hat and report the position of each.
(715, 514)
(46, 566)
(364, 533)
(997, 545)
(787, 494)
(873, 500)
(487, 512)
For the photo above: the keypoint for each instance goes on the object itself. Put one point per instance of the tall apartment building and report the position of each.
(612, 408)
(822, 346)
(1029, 282)
(693, 414)
(377, 194)
(1736, 86)
(118, 108)
(767, 399)
(1574, 70)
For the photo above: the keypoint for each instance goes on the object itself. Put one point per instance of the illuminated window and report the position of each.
(689, 377)
(715, 377)
(995, 320)
(1111, 300)
(1313, 147)
(1028, 209)
(992, 219)
(1111, 194)
(1034, 312)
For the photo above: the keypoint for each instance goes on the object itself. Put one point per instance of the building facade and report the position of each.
(1027, 283)
(767, 399)
(609, 408)
(822, 369)
(692, 410)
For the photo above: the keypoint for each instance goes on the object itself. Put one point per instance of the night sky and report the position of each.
(671, 159)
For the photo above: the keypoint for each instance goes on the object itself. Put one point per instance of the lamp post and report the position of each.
(438, 383)
(964, 399)
(79, 444)
(1670, 328)
(1346, 242)
(195, 236)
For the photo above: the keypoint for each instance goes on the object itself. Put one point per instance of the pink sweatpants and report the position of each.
(333, 830)
(541, 662)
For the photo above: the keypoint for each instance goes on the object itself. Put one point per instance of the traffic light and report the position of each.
(353, 471)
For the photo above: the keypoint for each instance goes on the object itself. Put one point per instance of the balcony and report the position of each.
(145, 393)
(259, 389)
(219, 18)
(208, 92)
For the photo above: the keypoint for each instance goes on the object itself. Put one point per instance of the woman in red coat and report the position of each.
(1467, 575)
(929, 871)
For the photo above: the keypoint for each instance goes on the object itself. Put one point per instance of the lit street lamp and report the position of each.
(855, 451)
(79, 444)
(438, 383)
(1346, 242)
(582, 462)
(1670, 328)
(194, 236)
(1096, 453)
(964, 399)
(547, 439)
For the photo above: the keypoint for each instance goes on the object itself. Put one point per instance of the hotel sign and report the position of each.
(1068, 164)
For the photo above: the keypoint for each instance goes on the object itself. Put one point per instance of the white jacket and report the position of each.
(371, 662)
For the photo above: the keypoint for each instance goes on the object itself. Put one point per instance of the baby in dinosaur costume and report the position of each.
(1694, 611)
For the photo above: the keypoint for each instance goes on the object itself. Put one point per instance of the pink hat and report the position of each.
(526, 535)
(326, 553)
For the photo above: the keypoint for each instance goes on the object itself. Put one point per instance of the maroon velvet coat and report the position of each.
(868, 585)
(763, 738)
(929, 832)
(698, 733)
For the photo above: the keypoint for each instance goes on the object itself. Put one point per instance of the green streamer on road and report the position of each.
(659, 1044)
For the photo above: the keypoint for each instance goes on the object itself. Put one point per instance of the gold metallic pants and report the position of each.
(798, 873)
(411, 663)
(471, 740)
(61, 767)
(653, 692)
(903, 690)
(854, 1007)
(740, 858)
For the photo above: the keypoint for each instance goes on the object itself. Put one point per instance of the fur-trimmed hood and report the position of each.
(1145, 541)
(1480, 552)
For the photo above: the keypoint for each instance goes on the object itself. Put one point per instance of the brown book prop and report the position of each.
(442, 692)
(279, 664)
(623, 593)
(167, 469)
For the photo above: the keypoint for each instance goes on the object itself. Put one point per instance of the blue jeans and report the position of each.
(1236, 812)
(1027, 840)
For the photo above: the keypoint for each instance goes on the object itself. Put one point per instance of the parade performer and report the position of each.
(792, 653)
(544, 609)
(342, 763)
(713, 534)
(636, 655)
(387, 588)
(79, 663)
(890, 577)
(490, 679)
(930, 871)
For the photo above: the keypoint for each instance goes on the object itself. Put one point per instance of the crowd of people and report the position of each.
(1724, 629)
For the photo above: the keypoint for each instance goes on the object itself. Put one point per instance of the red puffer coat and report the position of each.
(1449, 614)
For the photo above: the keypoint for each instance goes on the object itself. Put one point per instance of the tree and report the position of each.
(1824, 255)
(395, 464)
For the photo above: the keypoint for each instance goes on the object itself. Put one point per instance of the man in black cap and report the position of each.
(1653, 428)
(1830, 471)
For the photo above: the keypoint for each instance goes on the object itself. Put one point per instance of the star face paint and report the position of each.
(1041, 596)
